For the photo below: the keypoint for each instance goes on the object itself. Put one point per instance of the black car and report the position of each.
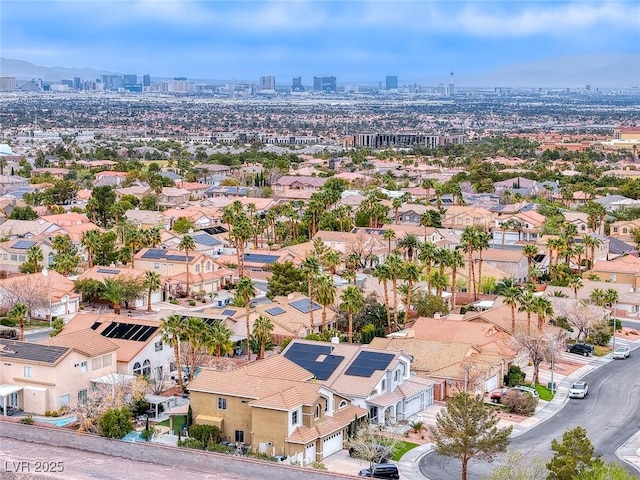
(581, 349)
(381, 470)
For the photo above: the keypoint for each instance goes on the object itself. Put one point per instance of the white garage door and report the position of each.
(332, 444)
(413, 406)
(491, 384)
(310, 453)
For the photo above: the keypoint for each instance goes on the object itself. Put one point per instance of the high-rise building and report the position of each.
(392, 82)
(146, 80)
(325, 84)
(267, 82)
(130, 79)
(452, 89)
(297, 85)
(77, 83)
(7, 84)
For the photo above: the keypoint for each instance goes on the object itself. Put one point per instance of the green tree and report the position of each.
(352, 302)
(171, 330)
(573, 455)
(219, 341)
(285, 279)
(183, 225)
(310, 267)
(605, 471)
(58, 325)
(262, 329)
(512, 297)
(115, 422)
(186, 244)
(35, 257)
(151, 283)
(517, 468)
(19, 314)
(467, 429)
(23, 213)
(100, 206)
(325, 291)
(245, 291)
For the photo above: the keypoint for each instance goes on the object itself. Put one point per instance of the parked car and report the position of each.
(381, 470)
(496, 395)
(579, 390)
(581, 349)
(622, 352)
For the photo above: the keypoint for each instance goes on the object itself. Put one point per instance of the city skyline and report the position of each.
(360, 41)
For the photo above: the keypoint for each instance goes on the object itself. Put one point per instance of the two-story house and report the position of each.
(275, 406)
(172, 197)
(16, 252)
(458, 217)
(55, 373)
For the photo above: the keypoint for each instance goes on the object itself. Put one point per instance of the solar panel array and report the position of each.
(129, 331)
(109, 271)
(23, 244)
(154, 253)
(95, 325)
(303, 305)
(228, 313)
(206, 240)
(178, 258)
(306, 356)
(368, 362)
(260, 258)
(214, 230)
(275, 311)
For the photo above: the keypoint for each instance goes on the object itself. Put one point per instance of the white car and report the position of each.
(622, 352)
(579, 390)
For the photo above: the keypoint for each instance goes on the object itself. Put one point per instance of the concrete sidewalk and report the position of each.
(628, 452)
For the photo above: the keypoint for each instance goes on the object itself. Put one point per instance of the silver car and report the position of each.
(579, 390)
(622, 352)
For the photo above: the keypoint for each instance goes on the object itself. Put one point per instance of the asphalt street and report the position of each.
(609, 414)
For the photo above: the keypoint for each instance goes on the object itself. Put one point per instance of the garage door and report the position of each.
(491, 384)
(310, 453)
(413, 406)
(332, 444)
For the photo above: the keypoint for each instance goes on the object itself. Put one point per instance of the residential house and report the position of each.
(112, 179)
(172, 266)
(147, 218)
(140, 349)
(368, 244)
(410, 214)
(53, 172)
(513, 262)
(377, 380)
(15, 252)
(173, 197)
(621, 270)
(579, 219)
(101, 273)
(15, 229)
(450, 352)
(614, 203)
(202, 217)
(523, 226)
(290, 182)
(57, 373)
(275, 406)
(13, 181)
(623, 230)
(138, 191)
(458, 217)
(196, 190)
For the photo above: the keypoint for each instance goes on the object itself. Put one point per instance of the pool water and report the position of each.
(133, 437)
(58, 422)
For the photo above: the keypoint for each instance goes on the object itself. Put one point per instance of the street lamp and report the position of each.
(553, 354)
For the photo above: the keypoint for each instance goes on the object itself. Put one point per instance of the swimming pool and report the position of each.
(133, 437)
(58, 422)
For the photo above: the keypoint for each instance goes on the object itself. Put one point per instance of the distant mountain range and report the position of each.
(597, 70)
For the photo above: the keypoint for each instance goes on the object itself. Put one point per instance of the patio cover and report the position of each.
(5, 391)
(209, 420)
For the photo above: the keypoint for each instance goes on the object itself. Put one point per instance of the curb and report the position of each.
(630, 449)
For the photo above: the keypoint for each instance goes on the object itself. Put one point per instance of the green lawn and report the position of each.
(402, 448)
(178, 420)
(544, 392)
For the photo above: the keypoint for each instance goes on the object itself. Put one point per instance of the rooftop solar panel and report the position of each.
(303, 305)
(23, 244)
(368, 362)
(228, 313)
(108, 271)
(260, 258)
(154, 253)
(95, 325)
(306, 356)
(206, 240)
(178, 258)
(275, 311)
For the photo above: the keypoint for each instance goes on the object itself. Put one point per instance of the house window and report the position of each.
(614, 277)
(615, 229)
(82, 397)
(208, 266)
(146, 368)
(317, 411)
(28, 373)
(583, 227)
(137, 368)
(222, 403)
(294, 417)
(624, 230)
(384, 385)
(14, 257)
(239, 436)
(396, 376)
(22, 258)
(343, 404)
(96, 363)
(197, 268)
(157, 346)
(84, 367)
(106, 360)
(65, 400)
(156, 266)
(158, 372)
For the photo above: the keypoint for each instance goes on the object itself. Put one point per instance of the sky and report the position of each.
(357, 41)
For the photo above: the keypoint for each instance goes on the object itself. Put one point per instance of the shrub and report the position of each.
(417, 426)
(205, 433)
(115, 423)
(7, 322)
(174, 302)
(601, 333)
(148, 433)
(219, 448)
(47, 413)
(519, 403)
(514, 377)
(318, 465)
(191, 303)
(28, 420)
(54, 413)
(261, 456)
(191, 443)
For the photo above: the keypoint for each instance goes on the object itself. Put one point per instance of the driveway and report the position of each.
(341, 462)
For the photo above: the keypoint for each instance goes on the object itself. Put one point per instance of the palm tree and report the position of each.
(91, 240)
(527, 303)
(113, 290)
(219, 340)
(383, 275)
(395, 265)
(575, 283)
(171, 329)
(151, 283)
(389, 234)
(411, 274)
(592, 243)
(187, 243)
(427, 254)
(482, 243)
(468, 242)
(454, 262)
(530, 251)
(352, 302)
(34, 256)
(410, 243)
(3, 163)
(19, 313)
(310, 267)
(262, 329)
(440, 281)
(325, 294)
(397, 203)
(512, 297)
(245, 291)
(332, 260)
(543, 309)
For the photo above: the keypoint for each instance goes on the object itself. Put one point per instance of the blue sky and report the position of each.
(357, 41)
